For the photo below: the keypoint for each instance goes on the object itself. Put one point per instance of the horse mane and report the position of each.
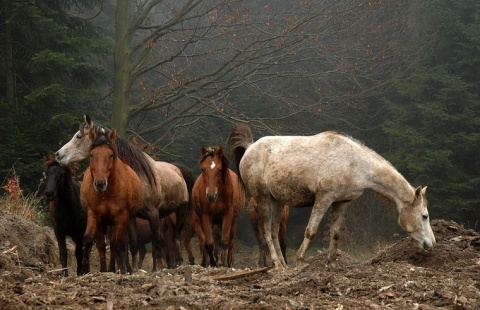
(49, 160)
(240, 138)
(210, 151)
(129, 154)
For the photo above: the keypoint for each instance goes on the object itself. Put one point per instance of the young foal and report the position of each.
(217, 199)
(112, 193)
(68, 217)
(257, 224)
(327, 169)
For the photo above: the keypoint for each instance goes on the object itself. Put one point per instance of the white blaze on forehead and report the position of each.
(212, 165)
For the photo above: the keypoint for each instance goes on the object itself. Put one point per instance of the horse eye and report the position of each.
(79, 136)
(91, 155)
(425, 217)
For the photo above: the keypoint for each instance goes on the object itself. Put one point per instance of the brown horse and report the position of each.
(257, 224)
(112, 194)
(164, 185)
(217, 199)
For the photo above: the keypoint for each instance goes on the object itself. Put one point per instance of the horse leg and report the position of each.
(62, 250)
(88, 240)
(133, 243)
(226, 230)
(142, 251)
(318, 211)
(201, 241)
(233, 231)
(338, 215)
(181, 217)
(118, 246)
(262, 246)
(158, 242)
(78, 253)
(187, 244)
(281, 236)
(277, 214)
(99, 237)
(209, 242)
(218, 249)
(265, 208)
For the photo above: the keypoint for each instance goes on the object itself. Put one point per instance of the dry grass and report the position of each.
(28, 207)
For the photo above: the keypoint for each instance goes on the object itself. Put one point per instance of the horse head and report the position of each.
(214, 166)
(78, 147)
(103, 154)
(54, 174)
(414, 219)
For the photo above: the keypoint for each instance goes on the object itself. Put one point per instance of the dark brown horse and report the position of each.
(257, 224)
(68, 217)
(145, 236)
(217, 199)
(112, 194)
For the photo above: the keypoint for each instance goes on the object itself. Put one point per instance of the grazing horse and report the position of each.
(112, 194)
(323, 170)
(218, 199)
(257, 224)
(164, 187)
(68, 217)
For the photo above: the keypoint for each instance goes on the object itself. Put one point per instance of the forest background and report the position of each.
(172, 75)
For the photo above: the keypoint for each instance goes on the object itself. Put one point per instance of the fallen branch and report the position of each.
(241, 274)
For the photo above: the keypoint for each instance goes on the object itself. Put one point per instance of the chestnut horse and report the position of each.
(68, 217)
(327, 169)
(257, 224)
(218, 199)
(164, 187)
(112, 194)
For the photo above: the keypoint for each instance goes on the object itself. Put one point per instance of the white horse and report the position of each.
(327, 169)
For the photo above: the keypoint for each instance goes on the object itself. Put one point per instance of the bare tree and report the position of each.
(179, 61)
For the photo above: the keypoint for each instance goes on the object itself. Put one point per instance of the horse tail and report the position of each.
(240, 139)
(187, 175)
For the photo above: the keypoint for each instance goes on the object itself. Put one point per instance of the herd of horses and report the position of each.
(131, 199)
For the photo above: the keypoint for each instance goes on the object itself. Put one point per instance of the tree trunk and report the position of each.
(9, 72)
(122, 67)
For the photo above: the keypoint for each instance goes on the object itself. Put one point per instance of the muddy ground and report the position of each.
(399, 277)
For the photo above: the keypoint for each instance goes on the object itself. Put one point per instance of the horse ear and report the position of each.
(424, 190)
(91, 134)
(112, 135)
(203, 150)
(87, 120)
(418, 191)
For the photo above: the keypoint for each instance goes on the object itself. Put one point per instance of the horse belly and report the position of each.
(292, 185)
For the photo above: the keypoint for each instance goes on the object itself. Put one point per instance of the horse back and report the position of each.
(294, 169)
(172, 189)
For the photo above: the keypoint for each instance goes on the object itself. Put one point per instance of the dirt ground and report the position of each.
(399, 277)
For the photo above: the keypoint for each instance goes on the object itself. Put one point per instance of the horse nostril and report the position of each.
(426, 245)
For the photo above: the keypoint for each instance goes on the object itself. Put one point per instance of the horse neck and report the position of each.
(69, 193)
(390, 183)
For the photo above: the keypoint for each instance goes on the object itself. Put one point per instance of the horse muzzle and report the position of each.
(100, 185)
(212, 197)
